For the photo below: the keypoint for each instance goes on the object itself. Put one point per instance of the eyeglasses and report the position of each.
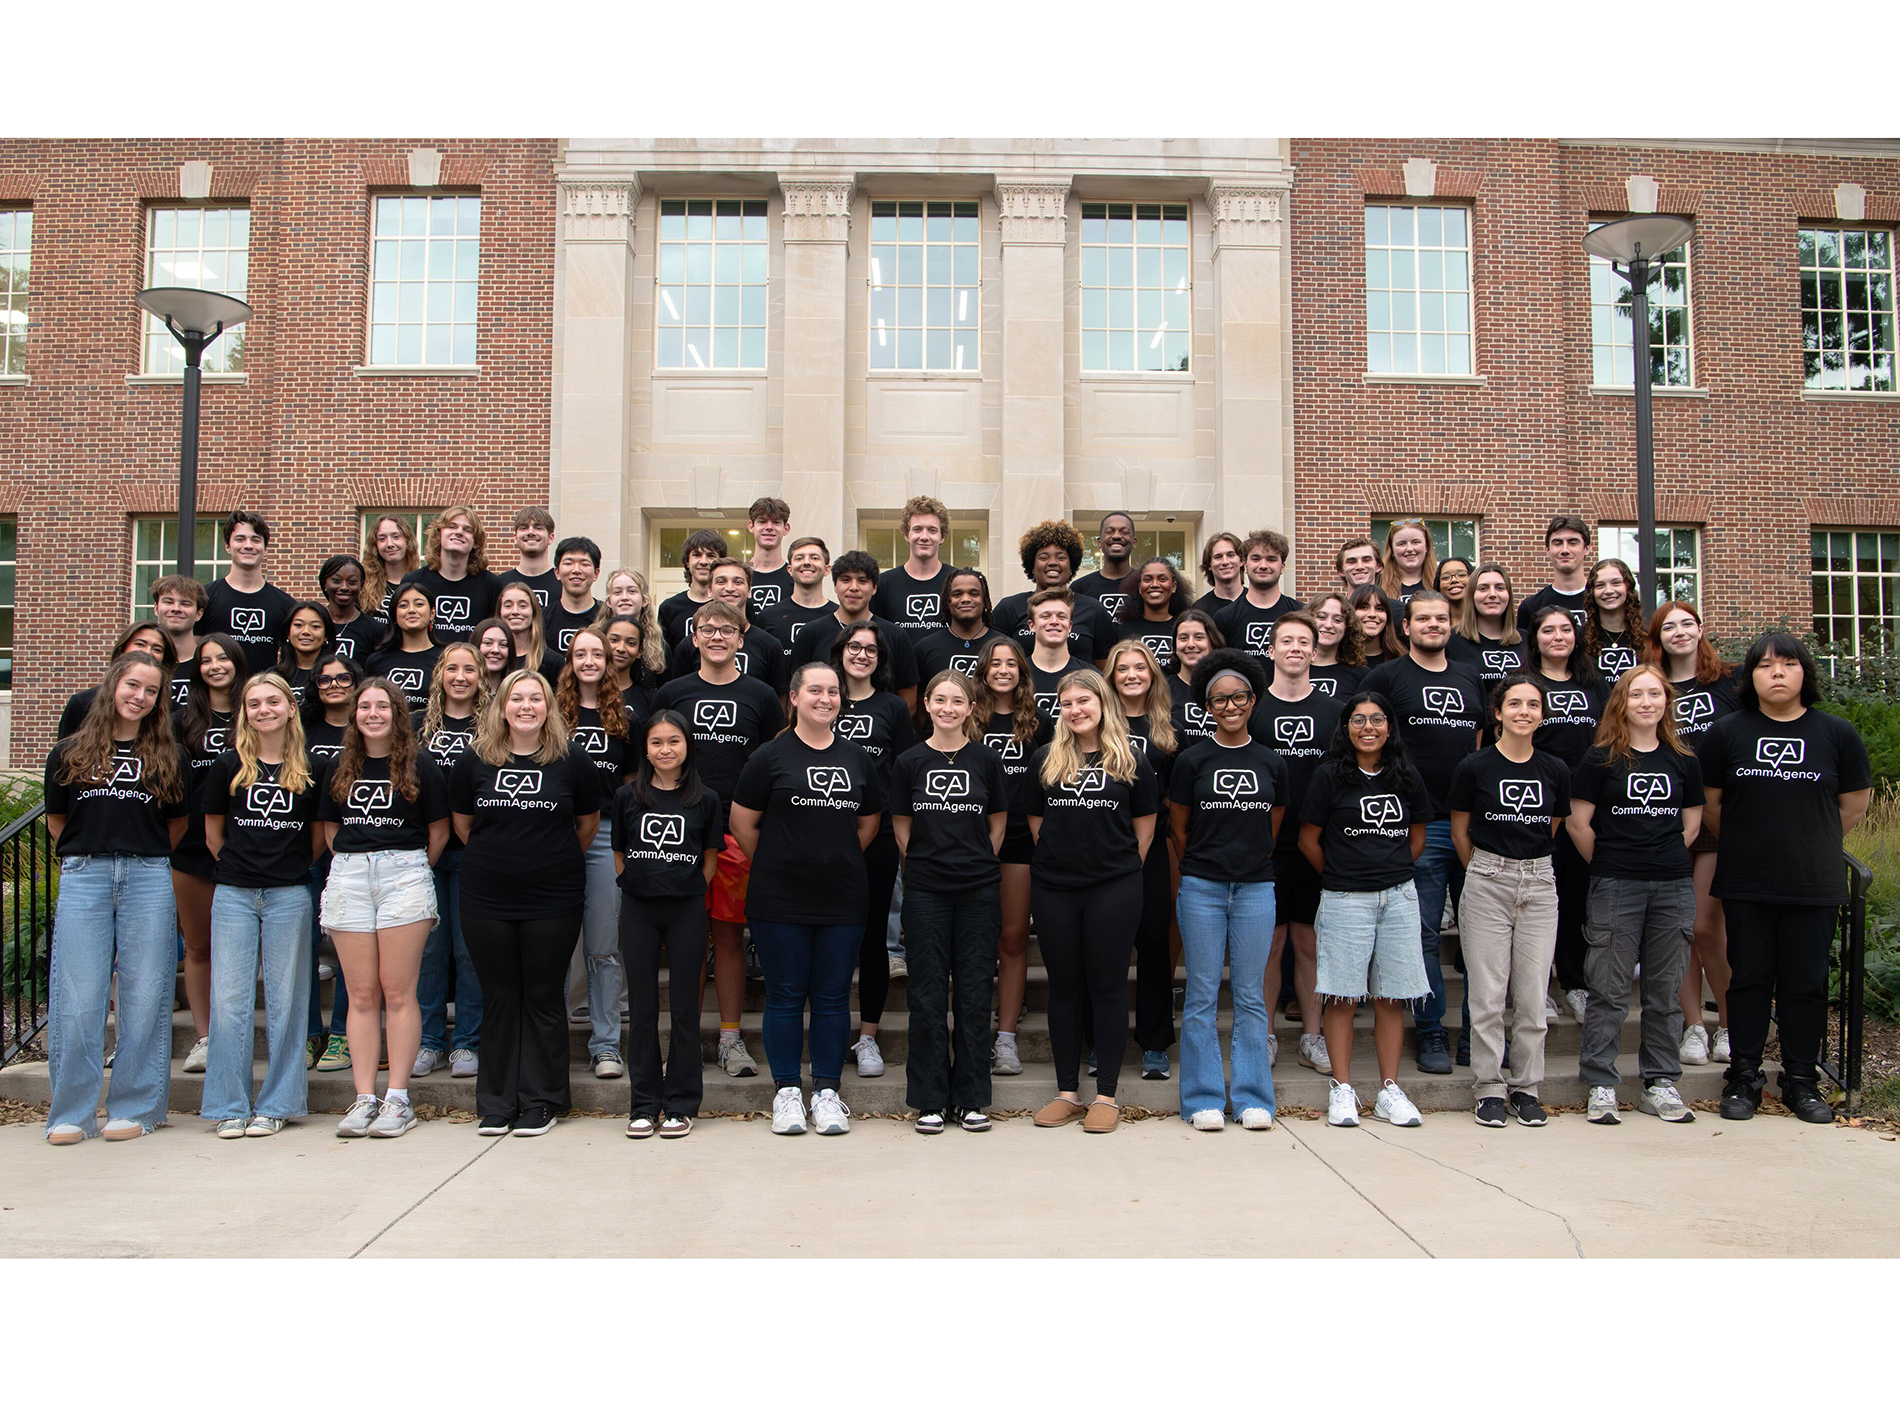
(716, 630)
(1367, 720)
(334, 680)
(1230, 700)
(860, 650)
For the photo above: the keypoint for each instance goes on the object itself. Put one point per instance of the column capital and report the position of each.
(1034, 210)
(817, 207)
(598, 209)
(1248, 214)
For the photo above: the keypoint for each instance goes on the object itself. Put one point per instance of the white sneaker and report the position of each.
(1342, 1105)
(899, 967)
(1208, 1120)
(1718, 1051)
(1661, 1099)
(1550, 1010)
(463, 1064)
(395, 1118)
(233, 1127)
(1256, 1119)
(1273, 1050)
(1577, 1000)
(788, 1111)
(1313, 1054)
(1603, 1104)
(829, 1116)
(427, 1062)
(362, 1113)
(1395, 1108)
(1694, 1048)
(195, 1060)
(870, 1062)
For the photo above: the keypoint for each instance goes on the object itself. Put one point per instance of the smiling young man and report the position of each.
(1567, 543)
(769, 522)
(1050, 552)
(966, 597)
(1225, 571)
(759, 654)
(1357, 563)
(243, 604)
(177, 605)
(807, 561)
(698, 553)
(1049, 658)
(911, 595)
(854, 581)
(1247, 623)
(576, 565)
(1115, 542)
(455, 574)
(534, 537)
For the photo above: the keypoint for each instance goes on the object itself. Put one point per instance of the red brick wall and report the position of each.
(302, 439)
(1754, 462)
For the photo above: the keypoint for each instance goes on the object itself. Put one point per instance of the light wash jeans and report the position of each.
(112, 908)
(1218, 919)
(253, 928)
(600, 944)
(447, 971)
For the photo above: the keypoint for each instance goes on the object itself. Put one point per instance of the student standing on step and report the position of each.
(115, 806)
(1362, 826)
(177, 605)
(806, 563)
(1195, 636)
(390, 556)
(495, 648)
(385, 815)
(1409, 564)
(528, 645)
(769, 522)
(698, 553)
(966, 599)
(243, 605)
(203, 730)
(1051, 612)
(759, 655)
(407, 655)
(624, 635)
(1378, 628)
(1051, 552)
(1615, 637)
(1636, 806)
(1226, 802)
(1224, 570)
(1486, 635)
(526, 804)
(666, 828)
(628, 597)
(1141, 689)
(145, 637)
(577, 565)
(1153, 604)
(323, 744)
(1114, 543)
(1357, 564)
(1454, 582)
(1092, 807)
(455, 574)
(805, 808)
(1013, 730)
(1507, 801)
(260, 824)
(1786, 782)
(1706, 691)
(911, 595)
(1338, 665)
(854, 580)
(950, 806)
(1567, 543)
(533, 537)
(457, 696)
(307, 636)
(356, 631)
(1247, 623)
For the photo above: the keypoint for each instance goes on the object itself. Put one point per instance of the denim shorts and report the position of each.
(378, 890)
(1369, 944)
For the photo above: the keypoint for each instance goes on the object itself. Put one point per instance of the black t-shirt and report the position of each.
(1492, 661)
(664, 845)
(1091, 630)
(1015, 757)
(1439, 717)
(784, 619)
(412, 672)
(1366, 826)
(949, 800)
(1158, 634)
(546, 585)
(256, 621)
(1192, 723)
(558, 626)
(1638, 820)
(881, 725)
(1230, 794)
(1300, 732)
(303, 685)
(613, 757)
(1549, 594)
(814, 640)
(1248, 627)
(914, 605)
(119, 818)
(809, 868)
(1088, 823)
(729, 721)
(460, 604)
(1212, 602)
(1615, 656)
(355, 639)
(1511, 803)
(768, 591)
(1161, 762)
(448, 742)
(524, 860)
(1699, 706)
(1781, 822)
(266, 826)
(941, 649)
(676, 617)
(200, 757)
(1105, 591)
(759, 655)
(1571, 714)
(322, 746)
(1044, 684)
(377, 816)
(1336, 680)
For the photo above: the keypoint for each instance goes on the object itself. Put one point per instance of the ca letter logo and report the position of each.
(518, 782)
(592, 740)
(1696, 707)
(828, 781)
(1779, 752)
(920, 606)
(1382, 809)
(1443, 700)
(661, 830)
(127, 771)
(947, 782)
(247, 620)
(408, 679)
(1571, 703)
(1236, 782)
(856, 727)
(452, 608)
(1089, 779)
(711, 713)
(1650, 788)
(1499, 660)
(766, 595)
(267, 799)
(1007, 747)
(1293, 729)
(1521, 795)
(1198, 719)
(371, 796)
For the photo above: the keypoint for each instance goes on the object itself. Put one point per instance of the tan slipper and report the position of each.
(1057, 1112)
(1102, 1118)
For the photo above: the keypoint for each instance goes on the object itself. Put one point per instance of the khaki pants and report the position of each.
(1508, 918)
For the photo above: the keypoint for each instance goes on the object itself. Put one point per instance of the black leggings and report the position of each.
(677, 926)
(1154, 975)
(874, 964)
(522, 966)
(1777, 959)
(1088, 939)
(1572, 874)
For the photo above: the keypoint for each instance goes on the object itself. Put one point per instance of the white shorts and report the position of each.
(378, 890)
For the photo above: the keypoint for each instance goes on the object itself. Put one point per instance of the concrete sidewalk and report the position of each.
(1771, 1187)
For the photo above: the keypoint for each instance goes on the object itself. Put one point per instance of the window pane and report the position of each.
(1135, 267)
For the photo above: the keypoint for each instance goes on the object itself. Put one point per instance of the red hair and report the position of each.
(1709, 665)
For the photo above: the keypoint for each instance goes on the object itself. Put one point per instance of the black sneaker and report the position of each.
(1803, 1099)
(1741, 1097)
(534, 1123)
(1529, 1111)
(1463, 1056)
(1434, 1052)
(971, 1120)
(1490, 1113)
(494, 1126)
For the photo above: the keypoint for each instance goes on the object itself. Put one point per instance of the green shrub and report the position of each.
(1879, 727)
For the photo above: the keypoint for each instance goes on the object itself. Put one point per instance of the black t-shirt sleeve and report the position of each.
(1146, 800)
(1319, 798)
(461, 783)
(1854, 770)
(754, 790)
(580, 768)
(1464, 786)
(434, 801)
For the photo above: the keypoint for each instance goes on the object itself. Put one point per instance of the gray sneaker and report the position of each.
(736, 1060)
(427, 1062)
(463, 1064)
(1662, 1100)
(397, 1118)
(1004, 1059)
(362, 1113)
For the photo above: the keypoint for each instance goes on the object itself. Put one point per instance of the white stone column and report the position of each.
(591, 446)
(817, 231)
(1035, 228)
(1252, 483)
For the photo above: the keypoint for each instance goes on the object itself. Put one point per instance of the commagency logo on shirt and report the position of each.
(1651, 789)
(266, 799)
(1521, 795)
(1046, 704)
(713, 713)
(371, 797)
(592, 740)
(766, 595)
(943, 783)
(660, 829)
(1007, 747)
(408, 679)
(447, 742)
(1615, 662)
(217, 739)
(1382, 810)
(565, 638)
(1236, 782)
(1568, 702)
(1086, 779)
(127, 771)
(1442, 701)
(1326, 685)
(540, 596)
(1577, 617)
(1198, 719)
(452, 608)
(964, 663)
(245, 621)
(181, 692)
(345, 646)
(1259, 637)
(1138, 742)
(1293, 729)
(828, 781)
(1112, 602)
(742, 661)
(922, 606)
(1692, 708)
(1498, 660)
(518, 782)
(855, 726)
(1781, 752)
(792, 637)
(1159, 644)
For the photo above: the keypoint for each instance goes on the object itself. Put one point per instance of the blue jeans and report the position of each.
(112, 909)
(600, 944)
(1218, 919)
(339, 992)
(807, 962)
(1436, 871)
(445, 967)
(253, 928)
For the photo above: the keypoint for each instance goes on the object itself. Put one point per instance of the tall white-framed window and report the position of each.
(1678, 559)
(16, 261)
(967, 547)
(1449, 536)
(155, 554)
(1154, 539)
(1418, 290)
(1847, 301)
(1671, 344)
(926, 295)
(1137, 287)
(1856, 582)
(196, 247)
(424, 271)
(710, 313)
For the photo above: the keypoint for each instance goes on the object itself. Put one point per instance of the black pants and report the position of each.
(874, 965)
(1777, 958)
(1572, 874)
(522, 966)
(675, 925)
(950, 940)
(1154, 976)
(1088, 940)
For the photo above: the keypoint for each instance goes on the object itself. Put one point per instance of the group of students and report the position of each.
(495, 791)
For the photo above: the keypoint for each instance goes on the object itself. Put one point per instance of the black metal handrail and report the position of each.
(29, 892)
(1850, 948)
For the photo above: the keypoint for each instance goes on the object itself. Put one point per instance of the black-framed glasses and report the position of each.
(334, 680)
(1229, 700)
(716, 630)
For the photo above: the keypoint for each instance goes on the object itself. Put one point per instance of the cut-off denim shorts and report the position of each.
(1369, 944)
(378, 890)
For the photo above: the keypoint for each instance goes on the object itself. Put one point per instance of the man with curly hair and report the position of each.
(455, 573)
(1050, 553)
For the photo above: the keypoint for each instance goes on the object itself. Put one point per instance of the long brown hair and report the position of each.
(375, 582)
(194, 719)
(1389, 643)
(293, 774)
(87, 760)
(478, 552)
(1158, 706)
(1710, 666)
(1352, 652)
(1613, 728)
(537, 635)
(974, 727)
(1509, 636)
(1024, 720)
(613, 685)
(438, 707)
(1634, 628)
(403, 745)
(1389, 577)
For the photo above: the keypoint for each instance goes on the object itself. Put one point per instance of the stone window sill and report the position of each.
(1850, 396)
(1699, 392)
(1419, 378)
(164, 378)
(16, 380)
(416, 371)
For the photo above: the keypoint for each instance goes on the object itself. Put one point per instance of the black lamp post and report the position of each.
(197, 318)
(1630, 245)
